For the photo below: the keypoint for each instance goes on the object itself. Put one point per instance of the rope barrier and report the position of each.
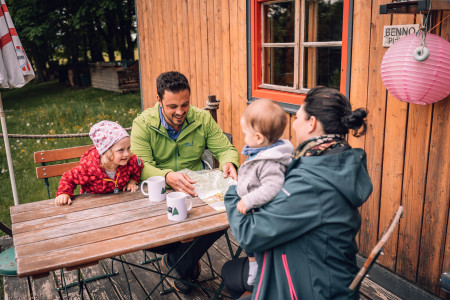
(49, 136)
(209, 106)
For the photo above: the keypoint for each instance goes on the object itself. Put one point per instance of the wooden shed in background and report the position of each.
(115, 76)
(408, 146)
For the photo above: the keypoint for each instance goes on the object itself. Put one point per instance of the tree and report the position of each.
(74, 31)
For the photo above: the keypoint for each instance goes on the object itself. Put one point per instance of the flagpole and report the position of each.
(8, 153)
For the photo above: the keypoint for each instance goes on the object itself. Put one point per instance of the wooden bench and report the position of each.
(47, 171)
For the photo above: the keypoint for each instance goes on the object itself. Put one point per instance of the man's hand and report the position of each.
(229, 171)
(241, 207)
(63, 199)
(180, 182)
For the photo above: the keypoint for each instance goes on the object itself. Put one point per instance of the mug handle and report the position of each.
(142, 187)
(190, 204)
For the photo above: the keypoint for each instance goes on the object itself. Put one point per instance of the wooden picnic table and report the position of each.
(49, 237)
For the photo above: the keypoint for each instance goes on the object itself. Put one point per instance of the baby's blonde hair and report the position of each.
(267, 117)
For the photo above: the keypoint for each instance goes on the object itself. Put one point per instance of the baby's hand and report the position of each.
(241, 207)
(63, 199)
(131, 186)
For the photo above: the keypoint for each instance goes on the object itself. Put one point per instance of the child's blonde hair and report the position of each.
(107, 158)
(267, 117)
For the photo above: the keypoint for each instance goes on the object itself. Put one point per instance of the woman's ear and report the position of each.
(312, 124)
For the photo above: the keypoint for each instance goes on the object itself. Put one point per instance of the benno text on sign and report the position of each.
(393, 33)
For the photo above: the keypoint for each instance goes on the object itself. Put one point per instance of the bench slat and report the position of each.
(60, 154)
(54, 170)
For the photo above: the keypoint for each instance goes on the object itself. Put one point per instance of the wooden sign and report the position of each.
(393, 33)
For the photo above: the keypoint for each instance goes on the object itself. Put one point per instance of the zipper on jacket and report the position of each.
(176, 154)
(261, 276)
(289, 279)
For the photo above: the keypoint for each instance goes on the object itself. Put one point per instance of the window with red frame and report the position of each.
(296, 45)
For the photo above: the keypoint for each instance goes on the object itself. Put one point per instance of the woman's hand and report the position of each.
(241, 207)
(131, 186)
(63, 199)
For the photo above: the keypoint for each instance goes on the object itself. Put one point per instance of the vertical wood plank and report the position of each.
(146, 50)
(204, 38)
(156, 59)
(183, 38)
(293, 136)
(437, 197)
(235, 75)
(218, 56)
(376, 104)
(446, 261)
(416, 158)
(393, 156)
(174, 37)
(226, 67)
(211, 48)
(313, 12)
(433, 250)
(167, 39)
(159, 36)
(360, 60)
(287, 131)
(192, 58)
(242, 68)
(201, 98)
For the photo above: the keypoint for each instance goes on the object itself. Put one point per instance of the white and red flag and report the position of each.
(15, 68)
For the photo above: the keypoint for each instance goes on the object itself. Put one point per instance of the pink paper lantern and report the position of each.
(418, 82)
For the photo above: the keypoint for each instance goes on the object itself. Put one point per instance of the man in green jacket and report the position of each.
(172, 136)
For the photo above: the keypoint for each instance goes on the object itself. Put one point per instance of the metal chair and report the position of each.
(376, 251)
(8, 266)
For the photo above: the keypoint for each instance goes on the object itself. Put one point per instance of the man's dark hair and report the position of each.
(171, 81)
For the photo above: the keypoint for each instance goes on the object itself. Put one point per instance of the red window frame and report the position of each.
(280, 96)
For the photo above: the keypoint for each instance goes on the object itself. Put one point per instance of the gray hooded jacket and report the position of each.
(261, 178)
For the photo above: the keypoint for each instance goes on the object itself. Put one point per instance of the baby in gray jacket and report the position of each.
(261, 177)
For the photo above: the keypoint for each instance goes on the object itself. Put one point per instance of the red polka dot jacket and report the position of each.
(93, 179)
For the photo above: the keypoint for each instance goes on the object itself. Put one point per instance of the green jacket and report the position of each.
(305, 237)
(161, 155)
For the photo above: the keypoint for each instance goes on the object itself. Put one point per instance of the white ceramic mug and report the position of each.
(156, 187)
(176, 206)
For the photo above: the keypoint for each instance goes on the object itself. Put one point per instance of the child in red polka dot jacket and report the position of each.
(108, 167)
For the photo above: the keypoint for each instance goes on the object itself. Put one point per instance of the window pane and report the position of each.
(279, 22)
(278, 66)
(322, 67)
(323, 20)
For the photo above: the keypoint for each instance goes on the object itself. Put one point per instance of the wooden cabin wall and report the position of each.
(407, 145)
(206, 41)
(408, 150)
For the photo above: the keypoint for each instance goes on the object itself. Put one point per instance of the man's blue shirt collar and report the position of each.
(173, 134)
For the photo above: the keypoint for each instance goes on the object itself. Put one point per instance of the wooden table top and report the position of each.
(49, 237)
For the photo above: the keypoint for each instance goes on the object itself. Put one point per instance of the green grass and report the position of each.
(50, 108)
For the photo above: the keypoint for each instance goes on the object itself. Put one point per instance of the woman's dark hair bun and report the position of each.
(334, 111)
(355, 120)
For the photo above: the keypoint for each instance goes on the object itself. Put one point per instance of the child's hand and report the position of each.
(241, 207)
(131, 186)
(63, 199)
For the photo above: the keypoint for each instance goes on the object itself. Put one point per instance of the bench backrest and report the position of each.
(43, 157)
(46, 171)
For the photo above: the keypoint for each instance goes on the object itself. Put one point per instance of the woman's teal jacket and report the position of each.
(305, 237)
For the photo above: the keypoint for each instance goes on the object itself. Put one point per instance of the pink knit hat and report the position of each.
(105, 134)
